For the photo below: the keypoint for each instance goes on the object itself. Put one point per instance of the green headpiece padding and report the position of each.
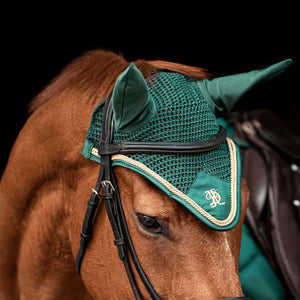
(132, 104)
(223, 93)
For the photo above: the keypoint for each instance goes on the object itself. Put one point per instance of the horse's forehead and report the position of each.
(207, 184)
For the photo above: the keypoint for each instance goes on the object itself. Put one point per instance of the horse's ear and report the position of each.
(131, 102)
(223, 93)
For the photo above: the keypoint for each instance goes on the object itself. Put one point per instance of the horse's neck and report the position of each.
(34, 198)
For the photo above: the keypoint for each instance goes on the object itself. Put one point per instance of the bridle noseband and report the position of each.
(111, 196)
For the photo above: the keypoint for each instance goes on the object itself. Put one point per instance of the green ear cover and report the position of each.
(223, 93)
(131, 102)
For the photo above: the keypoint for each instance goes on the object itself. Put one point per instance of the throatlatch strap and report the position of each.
(87, 227)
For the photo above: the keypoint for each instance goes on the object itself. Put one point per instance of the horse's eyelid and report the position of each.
(162, 224)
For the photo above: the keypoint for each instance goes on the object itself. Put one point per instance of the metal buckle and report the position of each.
(96, 193)
(107, 182)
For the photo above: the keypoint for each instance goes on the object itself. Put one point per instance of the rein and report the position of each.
(111, 196)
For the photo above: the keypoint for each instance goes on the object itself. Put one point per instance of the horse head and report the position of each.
(184, 219)
(168, 233)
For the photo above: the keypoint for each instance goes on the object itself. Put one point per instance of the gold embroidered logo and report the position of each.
(214, 197)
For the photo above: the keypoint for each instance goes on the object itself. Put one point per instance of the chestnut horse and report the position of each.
(43, 195)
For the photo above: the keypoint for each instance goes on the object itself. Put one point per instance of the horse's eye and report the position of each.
(150, 224)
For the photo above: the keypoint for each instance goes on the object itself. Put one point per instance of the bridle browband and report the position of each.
(111, 196)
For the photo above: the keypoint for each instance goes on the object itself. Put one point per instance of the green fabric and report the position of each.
(182, 115)
(257, 278)
(224, 92)
(226, 125)
(204, 183)
(230, 132)
(132, 104)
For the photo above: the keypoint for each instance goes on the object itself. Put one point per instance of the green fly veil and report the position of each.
(176, 108)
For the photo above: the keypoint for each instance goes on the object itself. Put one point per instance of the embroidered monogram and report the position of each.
(214, 197)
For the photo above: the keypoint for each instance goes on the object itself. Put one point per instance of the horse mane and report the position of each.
(92, 76)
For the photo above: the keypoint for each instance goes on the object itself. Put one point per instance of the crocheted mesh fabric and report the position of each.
(182, 115)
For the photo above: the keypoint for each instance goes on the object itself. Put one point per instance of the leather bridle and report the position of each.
(111, 196)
